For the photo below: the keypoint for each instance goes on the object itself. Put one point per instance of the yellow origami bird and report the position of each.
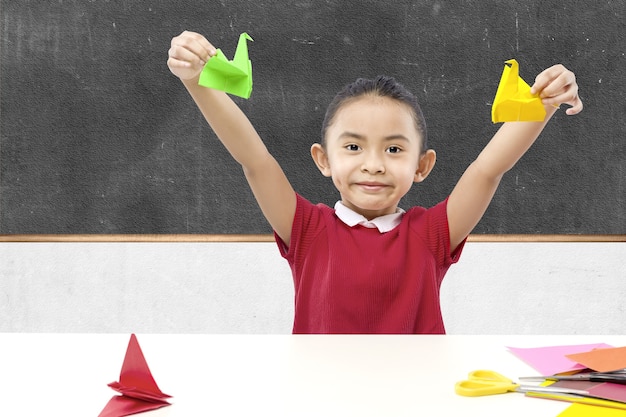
(513, 101)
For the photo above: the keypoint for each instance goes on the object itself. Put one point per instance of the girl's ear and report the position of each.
(426, 164)
(321, 159)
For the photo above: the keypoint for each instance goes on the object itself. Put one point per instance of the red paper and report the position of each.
(603, 390)
(602, 360)
(138, 388)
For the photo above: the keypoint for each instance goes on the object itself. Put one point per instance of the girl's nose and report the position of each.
(373, 164)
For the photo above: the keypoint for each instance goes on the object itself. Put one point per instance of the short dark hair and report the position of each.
(381, 86)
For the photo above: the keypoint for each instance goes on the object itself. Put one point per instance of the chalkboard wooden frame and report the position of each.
(225, 238)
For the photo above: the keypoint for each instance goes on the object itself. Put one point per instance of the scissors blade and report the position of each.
(592, 377)
(552, 390)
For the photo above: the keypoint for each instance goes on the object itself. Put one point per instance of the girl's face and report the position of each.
(372, 153)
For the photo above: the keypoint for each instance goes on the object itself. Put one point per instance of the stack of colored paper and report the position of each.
(604, 399)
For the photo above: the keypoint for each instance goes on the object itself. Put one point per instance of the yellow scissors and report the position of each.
(483, 382)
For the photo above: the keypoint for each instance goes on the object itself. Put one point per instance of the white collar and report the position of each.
(383, 223)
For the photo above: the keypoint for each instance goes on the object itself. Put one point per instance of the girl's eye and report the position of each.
(352, 147)
(394, 149)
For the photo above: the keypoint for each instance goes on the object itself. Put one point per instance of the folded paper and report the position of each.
(513, 101)
(138, 389)
(234, 77)
(602, 360)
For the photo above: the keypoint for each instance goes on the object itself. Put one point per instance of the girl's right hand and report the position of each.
(188, 53)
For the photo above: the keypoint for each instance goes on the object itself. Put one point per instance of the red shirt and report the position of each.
(358, 280)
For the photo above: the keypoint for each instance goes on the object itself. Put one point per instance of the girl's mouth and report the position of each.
(371, 186)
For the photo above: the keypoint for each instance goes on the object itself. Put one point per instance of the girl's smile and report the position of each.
(372, 186)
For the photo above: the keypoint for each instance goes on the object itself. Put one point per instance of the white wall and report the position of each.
(496, 288)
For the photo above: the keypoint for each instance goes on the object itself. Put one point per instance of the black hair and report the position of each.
(381, 86)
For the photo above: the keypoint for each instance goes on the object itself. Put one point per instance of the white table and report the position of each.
(277, 375)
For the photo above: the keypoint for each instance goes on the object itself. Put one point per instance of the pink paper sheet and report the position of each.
(551, 360)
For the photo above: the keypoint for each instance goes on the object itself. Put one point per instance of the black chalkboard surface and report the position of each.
(97, 137)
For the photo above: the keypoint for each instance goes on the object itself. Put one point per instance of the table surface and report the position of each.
(278, 375)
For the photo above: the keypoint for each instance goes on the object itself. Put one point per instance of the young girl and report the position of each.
(367, 266)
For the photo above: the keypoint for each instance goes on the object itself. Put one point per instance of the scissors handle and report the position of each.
(484, 382)
(477, 388)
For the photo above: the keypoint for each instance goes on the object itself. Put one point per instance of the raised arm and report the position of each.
(474, 191)
(187, 55)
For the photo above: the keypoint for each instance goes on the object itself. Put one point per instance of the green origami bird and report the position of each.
(234, 77)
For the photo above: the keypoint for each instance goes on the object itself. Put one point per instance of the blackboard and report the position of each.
(97, 137)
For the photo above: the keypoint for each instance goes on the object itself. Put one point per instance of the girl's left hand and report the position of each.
(557, 85)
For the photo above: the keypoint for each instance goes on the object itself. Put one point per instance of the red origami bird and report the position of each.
(139, 390)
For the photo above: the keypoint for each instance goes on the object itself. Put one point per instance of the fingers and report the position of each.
(190, 49)
(557, 85)
(577, 106)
